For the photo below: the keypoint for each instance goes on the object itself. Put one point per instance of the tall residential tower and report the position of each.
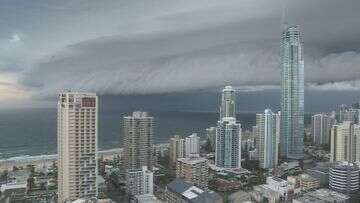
(138, 140)
(227, 108)
(292, 94)
(267, 138)
(228, 133)
(77, 146)
(228, 143)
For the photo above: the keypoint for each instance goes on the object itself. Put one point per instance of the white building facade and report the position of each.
(267, 138)
(77, 146)
(139, 181)
(192, 145)
(138, 140)
(321, 128)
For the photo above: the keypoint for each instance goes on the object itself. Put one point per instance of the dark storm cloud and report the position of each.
(126, 47)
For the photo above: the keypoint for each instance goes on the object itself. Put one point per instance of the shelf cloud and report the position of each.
(142, 47)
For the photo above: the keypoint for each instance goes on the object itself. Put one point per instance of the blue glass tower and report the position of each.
(292, 94)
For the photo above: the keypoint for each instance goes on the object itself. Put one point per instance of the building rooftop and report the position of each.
(344, 165)
(307, 177)
(322, 169)
(192, 160)
(323, 196)
(147, 198)
(192, 193)
(140, 114)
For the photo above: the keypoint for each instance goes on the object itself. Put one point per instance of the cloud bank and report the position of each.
(142, 47)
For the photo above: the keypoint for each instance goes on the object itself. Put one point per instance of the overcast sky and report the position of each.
(164, 46)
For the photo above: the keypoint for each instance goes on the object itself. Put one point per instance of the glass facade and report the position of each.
(228, 143)
(292, 94)
(227, 108)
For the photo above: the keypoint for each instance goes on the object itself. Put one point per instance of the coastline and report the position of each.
(45, 160)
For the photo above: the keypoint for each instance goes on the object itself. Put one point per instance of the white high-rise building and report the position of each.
(176, 149)
(211, 136)
(267, 141)
(139, 181)
(138, 140)
(228, 143)
(228, 99)
(348, 113)
(321, 128)
(344, 143)
(77, 146)
(192, 145)
(292, 94)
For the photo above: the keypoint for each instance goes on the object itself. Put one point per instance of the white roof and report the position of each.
(190, 193)
(5, 187)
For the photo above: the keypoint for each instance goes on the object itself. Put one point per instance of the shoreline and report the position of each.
(44, 160)
(47, 160)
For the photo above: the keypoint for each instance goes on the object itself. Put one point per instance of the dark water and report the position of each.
(33, 131)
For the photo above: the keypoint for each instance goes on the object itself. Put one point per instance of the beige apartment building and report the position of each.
(77, 146)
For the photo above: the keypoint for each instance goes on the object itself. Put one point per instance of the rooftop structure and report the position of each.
(322, 196)
(146, 198)
(181, 191)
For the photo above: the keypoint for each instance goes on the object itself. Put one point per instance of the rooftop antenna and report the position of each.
(283, 22)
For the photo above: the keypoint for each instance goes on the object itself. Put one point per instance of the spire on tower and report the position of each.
(283, 22)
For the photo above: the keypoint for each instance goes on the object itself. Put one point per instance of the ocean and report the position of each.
(33, 131)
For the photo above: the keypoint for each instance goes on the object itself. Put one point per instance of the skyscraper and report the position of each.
(227, 108)
(292, 94)
(192, 145)
(348, 113)
(228, 143)
(211, 136)
(345, 145)
(77, 146)
(176, 149)
(138, 140)
(321, 128)
(267, 145)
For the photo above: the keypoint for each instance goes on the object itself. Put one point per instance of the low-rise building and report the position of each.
(139, 181)
(322, 196)
(181, 191)
(13, 192)
(321, 172)
(308, 182)
(146, 198)
(264, 194)
(239, 197)
(225, 185)
(274, 190)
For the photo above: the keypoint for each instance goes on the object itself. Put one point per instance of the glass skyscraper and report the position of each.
(292, 94)
(228, 97)
(228, 143)
(228, 133)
